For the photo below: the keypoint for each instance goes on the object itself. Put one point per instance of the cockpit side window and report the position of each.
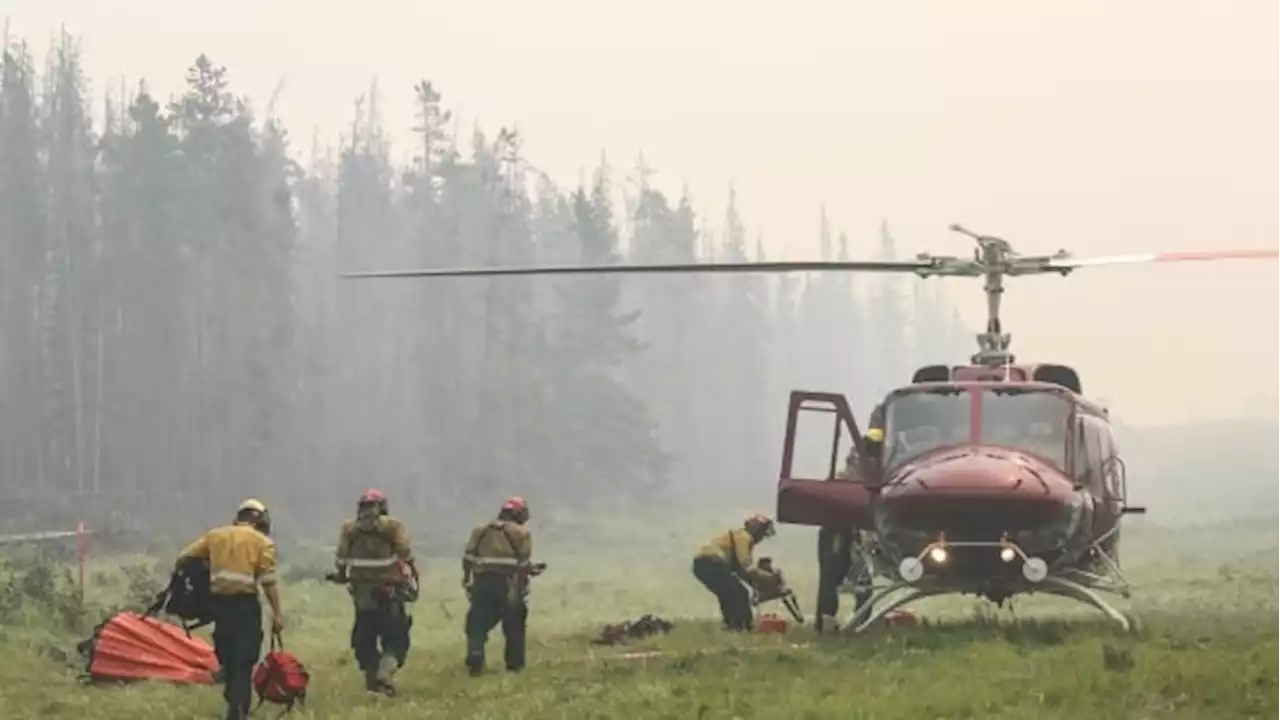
(1081, 459)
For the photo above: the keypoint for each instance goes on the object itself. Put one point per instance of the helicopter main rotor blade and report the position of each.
(904, 266)
(1243, 254)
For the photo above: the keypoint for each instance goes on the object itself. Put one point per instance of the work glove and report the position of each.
(409, 592)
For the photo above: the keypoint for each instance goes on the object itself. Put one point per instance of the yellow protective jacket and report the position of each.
(732, 546)
(240, 559)
(374, 550)
(499, 546)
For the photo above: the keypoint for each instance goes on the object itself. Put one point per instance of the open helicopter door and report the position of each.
(816, 496)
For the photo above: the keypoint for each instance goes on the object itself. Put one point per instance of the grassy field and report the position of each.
(1207, 597)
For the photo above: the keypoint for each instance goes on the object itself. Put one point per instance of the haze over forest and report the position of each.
(173, 322)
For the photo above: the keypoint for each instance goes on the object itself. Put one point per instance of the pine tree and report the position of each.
(890, 323)
(146, 436)
(364, 223)
(240, 236)
(22, 255)
(741, 352)
(611, 433)
(71, 302)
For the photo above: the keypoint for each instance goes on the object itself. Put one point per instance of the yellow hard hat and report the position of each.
(252, 504)
(874, 435)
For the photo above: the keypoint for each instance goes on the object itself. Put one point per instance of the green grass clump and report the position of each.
(1208, 647)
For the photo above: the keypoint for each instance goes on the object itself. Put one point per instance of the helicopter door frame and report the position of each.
(824, 502)
(1116, 474)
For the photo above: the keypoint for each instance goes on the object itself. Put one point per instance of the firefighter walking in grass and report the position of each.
(241, 558)
(375, 557)
(496, 567)
(725, 563)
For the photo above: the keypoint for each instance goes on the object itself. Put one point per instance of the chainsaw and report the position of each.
(789, 601)
(777, 590)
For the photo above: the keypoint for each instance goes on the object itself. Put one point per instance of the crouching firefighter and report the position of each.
(241, 558)
(496, 567)
(724, 564)
(375, 557)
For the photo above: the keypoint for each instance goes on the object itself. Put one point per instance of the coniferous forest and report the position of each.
(174, 335)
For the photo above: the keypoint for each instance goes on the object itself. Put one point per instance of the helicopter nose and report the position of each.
(976, 494)
(984, 473)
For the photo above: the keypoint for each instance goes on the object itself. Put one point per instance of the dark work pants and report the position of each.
(380, 630)
(490, 606)
(836, 561)
(735, 603)
(237, 642)
(833, 565)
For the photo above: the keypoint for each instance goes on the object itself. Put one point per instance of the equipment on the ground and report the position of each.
(772, 623)
(128, 646)
(280, 677)
(788, 600)
(643, 627)
(994, 478)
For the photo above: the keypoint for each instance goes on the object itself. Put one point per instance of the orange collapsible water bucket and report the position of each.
(771, 623)
(901, 618)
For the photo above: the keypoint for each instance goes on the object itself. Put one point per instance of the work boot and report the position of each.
(387, 668)
(475, 664)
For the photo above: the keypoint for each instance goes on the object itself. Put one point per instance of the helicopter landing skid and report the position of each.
(1065, 587)
(891, 597)
(881, 604)
(1112, 578)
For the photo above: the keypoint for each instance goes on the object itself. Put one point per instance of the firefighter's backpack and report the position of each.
(187, 596)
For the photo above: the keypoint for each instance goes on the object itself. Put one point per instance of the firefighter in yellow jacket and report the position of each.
(241, 558)
(724, 564)
(496, 566)
(375, 557)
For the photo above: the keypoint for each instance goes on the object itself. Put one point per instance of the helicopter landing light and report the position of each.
(938, 555)
(1035, 569)
(911, 569)
(1008, 554)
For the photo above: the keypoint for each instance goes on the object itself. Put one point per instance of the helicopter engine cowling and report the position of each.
(971, 499)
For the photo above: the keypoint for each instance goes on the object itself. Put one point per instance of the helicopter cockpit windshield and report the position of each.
(1032, 420)
(919, 421)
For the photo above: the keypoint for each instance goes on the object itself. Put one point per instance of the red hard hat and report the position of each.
(372, 496)
(515, 503)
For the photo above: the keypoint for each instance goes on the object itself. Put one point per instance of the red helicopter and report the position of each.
(994, 479)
